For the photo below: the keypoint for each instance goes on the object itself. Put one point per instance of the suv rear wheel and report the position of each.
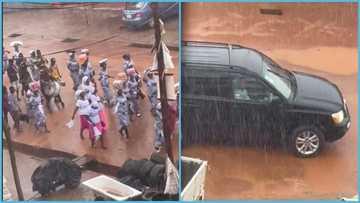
(306, 141)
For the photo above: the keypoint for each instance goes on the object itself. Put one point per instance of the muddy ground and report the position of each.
(316, 38)
(102, 32)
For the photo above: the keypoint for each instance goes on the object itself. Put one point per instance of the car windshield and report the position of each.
(134, 6)
(277, 77)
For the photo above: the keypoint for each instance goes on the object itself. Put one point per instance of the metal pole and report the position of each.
(162, 82)
(13, 160)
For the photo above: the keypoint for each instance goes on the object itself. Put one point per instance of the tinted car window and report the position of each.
(224, 85)
(250, 89)
(198, 83)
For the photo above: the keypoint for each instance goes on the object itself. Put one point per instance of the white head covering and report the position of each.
(147, 72)
(84, 51)
(77, 94)
(103, 61)
(89, 89)
(158, 106)
(29, 93)
(84, 79)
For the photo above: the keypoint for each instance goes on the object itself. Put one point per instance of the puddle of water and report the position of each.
(70, 40)
(15, 35)
(271, 11)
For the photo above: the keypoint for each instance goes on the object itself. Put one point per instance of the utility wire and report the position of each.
(52, 7)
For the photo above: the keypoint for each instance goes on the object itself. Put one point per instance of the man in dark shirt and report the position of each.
(12, 73)
(24, 75)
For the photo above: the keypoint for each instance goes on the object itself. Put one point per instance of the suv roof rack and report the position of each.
(223, 53)
(211, 44)
(214, 45)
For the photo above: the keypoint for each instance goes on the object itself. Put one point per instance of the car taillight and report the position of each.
(139, 15)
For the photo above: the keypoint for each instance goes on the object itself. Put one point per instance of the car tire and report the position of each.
(306, 141)
(156, 175)
(146, 169)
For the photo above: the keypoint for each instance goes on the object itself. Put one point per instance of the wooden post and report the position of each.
(162, 82)
(13, 160)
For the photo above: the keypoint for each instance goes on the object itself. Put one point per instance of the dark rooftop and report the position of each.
(222, 54)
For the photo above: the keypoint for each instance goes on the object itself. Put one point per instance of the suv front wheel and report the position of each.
(306, 141)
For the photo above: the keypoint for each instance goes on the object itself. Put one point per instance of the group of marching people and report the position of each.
(30, 73)
(124, 98)
(87, 103)
(26, 73)
(128, 93)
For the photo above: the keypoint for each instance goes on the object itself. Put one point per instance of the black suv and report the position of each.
(236, 95)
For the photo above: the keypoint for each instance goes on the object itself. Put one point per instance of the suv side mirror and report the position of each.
(274, 99)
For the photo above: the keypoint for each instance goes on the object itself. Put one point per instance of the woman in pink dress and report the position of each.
(97, 126)
(95, 101)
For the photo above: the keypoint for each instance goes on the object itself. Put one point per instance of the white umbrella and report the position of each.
(16, 43)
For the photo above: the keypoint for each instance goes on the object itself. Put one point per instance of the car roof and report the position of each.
(222, 54)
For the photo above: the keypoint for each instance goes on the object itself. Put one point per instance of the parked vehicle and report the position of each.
(139, 14)
(236, 95)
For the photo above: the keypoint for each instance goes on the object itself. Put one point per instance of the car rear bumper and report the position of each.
(137, 22)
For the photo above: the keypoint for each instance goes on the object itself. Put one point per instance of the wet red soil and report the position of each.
(90, 27)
